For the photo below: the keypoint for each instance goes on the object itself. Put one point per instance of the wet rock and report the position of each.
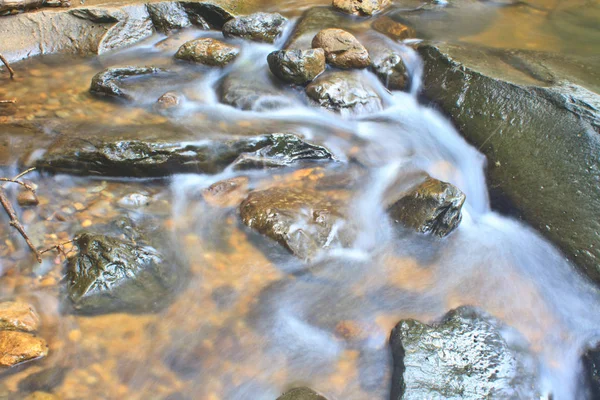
(301, 393)
(17, 316)
(45, 380)
(260, 27)
(591, 369)
(26, 198)
(468, 355)
(344, 92)
(227, 193)
(393, 29)
(168, 16)
(112, 273)
(297, 66)
(388, 65)
(207, 51)
(285, 149)
(168, 101)
(302, 220)
(342, 49)
(315, 20)
(19, 347)
(135, 200)
(360, 7)
(108, 82)
(536, 117)
(433, 206)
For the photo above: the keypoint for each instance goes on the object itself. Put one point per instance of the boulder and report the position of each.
(360, 7)
(207, 51)
(393, 29)
(342, 49)
(388, 65)
(536, 117)
(260, 27)
(433, 206)
(304, 221)
(467, 355)
(297, 66)
(108, 82)
(344, 92)
(17, 316)
(122, 270)
(19, 347)
(591, 370)
(163, 150)
(167, 16)
(301, 393)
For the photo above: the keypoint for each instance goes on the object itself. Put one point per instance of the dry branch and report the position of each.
(4, 60)
(8, 6)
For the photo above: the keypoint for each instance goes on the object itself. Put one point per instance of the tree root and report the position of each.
(8, 67)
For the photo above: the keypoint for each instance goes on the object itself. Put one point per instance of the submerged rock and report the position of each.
(536, 117)
(168, 100)
(227, 193)
(360, 7)
(591, 369)
(168, 16)
(167, 150)
(45, 380)
(19, 347)
(26, 198)
(342, 49)
(393, 29)
(123, 271)
(301, 393)
(108, 82)
(433, 206)
(302, 220)
(17, 316)
(297, 66)
(207, 51)
(261, 27)
(344, 92)
(468, 355)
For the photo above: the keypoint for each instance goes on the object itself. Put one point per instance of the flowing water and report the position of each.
(254, 320)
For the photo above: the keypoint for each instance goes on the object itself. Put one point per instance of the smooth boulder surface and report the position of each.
(168, 16)
(536, 117)
(347, 93)
(163, 150)
(297, 66)
(120, 269)
(342, 49)
(19, 347)
(302, 220)
(207, 51)
(301, 393)
(360, 7)
(260, 27)
(393, 29)
(431, 207)
(17, 316)
(467, 355)
(109, 81)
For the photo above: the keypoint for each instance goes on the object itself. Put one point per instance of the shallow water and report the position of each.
(254, 320)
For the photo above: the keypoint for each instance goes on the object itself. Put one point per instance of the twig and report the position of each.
(14, 222)
(22, 174)
(25, 185)
(11, 101)
(58, 247)
(10, 70)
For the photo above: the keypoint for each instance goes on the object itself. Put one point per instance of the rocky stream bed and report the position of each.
(300, 200)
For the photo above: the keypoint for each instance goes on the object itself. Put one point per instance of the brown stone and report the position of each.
(16, 316)
(18, 347)
(26, 198)
(168, 100)
(342, 49)
(227, 193)
(207, 51)
(393, 29)
(360, 7)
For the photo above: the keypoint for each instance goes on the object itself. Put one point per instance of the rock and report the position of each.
(297, 66)
(260, 27)
(342, 50)
(285, 149)
(112, 273)
(301, 393)
(536, 117)
(168, 101)
(26, 198)
(344, 92)
(207, 51)
(135, 200)
(433, 206)
(19, 347)
(302, 220)
(393, 29)
(360, 7)
(468, 355)
(389, 66)
(16, 316)
(227, 193)
(315, 20)
(167, 149)
(167, 16)
(45, 380)
(108, 82)
(591, 369)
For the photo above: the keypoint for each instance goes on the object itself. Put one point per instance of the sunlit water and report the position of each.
(254, 320)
